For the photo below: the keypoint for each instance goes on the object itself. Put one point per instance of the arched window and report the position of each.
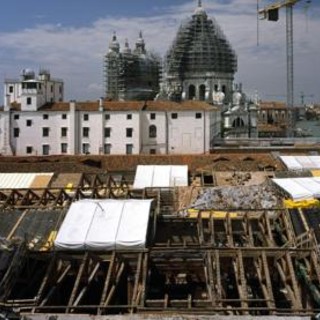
(238, 123)
(192, 92)
(202, 92)
(152, 131)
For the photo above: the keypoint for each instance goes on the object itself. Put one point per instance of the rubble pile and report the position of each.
(239, 178)
(247, 198)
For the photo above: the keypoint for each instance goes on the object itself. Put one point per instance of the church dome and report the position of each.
(200, 47)
(114, 44)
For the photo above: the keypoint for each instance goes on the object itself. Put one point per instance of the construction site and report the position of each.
(226, 240)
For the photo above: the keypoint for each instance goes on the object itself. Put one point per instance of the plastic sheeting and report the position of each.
(161, 177)
(102, 233)
(300, 188)
(132, 231)
(105, 225)
(19, 180)
(301, 162)
(74, 229)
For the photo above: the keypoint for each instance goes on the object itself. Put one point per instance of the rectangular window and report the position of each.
(45, 132)
(85, 132)
(29, 150)
(129, 148)
(64, 116)
(11, 89)
(64, 132)
(29, 101)
(16, 132)
(153, 151)
(129, 116)
(45, 149)
(51, 88)
(107, 117)
(64, 148)
(85, 117)
(107, 132)
(16, 117)
(198, 115)
(85, 148)
(107, 148)
(29, 123)
(152, 116)
(174, 116)
(45, 117)
(129, 132)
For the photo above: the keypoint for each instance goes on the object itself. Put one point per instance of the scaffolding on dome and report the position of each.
(200, 46)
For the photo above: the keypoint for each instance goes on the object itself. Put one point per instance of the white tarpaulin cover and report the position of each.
(74, 229)
(132, 231)
(161, 177)
(105, 225)
(300, 188)
(301, 162)
(19, 180)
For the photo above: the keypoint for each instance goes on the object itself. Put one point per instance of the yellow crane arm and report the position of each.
(276, 6)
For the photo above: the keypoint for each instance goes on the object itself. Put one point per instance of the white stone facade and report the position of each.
(33, 92)
(110, 128)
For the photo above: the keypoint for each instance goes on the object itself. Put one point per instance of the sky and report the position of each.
(71, 37)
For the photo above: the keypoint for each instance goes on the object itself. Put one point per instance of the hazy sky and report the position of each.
(71, 37)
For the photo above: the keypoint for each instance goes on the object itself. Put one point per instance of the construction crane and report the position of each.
(271, 13)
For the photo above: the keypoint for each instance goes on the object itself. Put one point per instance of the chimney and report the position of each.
(101, 104)
(7, 104)
(72, 105)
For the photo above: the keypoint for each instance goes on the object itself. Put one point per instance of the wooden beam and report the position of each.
(15, 227)
(84, 289)
(108, 278)
(77, 282)
(56, 285)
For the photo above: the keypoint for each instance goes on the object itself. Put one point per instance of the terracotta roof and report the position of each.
(131, 106)
(59, 106)
(273, 105)
(174, 106)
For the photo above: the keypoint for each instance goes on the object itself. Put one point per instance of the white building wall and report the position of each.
(50, 91)
(159, 142)
(16, 91)
(118, 122)
(31, 126)
(94, 140)
(4, 133)
(186, 133)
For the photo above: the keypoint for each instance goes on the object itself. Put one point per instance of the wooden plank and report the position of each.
(114, 285)
(45, 279)
(84, 289)
(15, 227)
(52, 290)
(77, 282)
(137, 280)
(108, 278)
